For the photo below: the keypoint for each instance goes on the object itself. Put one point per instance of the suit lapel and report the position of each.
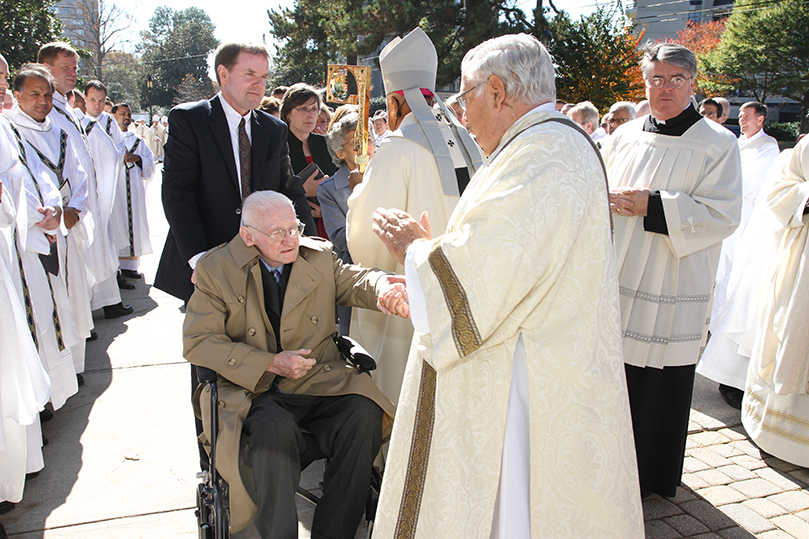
(258, 152)
(303, 280)
(221, 134)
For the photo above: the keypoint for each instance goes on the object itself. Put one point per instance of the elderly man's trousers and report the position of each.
(348, 429)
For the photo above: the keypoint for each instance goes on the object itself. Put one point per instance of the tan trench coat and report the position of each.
(227, 330)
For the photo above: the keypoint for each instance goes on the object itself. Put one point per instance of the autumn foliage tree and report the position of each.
(702, 39)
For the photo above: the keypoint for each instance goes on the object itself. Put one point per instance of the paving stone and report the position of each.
(765, 507)
(709, 438)
(727, 450)
(804, 515)
(693, 427)
(692, 465)
(655, 508)
(689, 443)
(748, 462)
(736, 472)
(775, 534)
(693, 482)
(709, 457)
(707, 514)
(792, 525)
(705, 421)
(747, 518)
(780, 465)
(687, 525)
(750, 449)
(781, 480)
(735, 533)
(723, 495)
(793, 502)
(756, 488)
(657, 529)
(735, 433)
(714, 477)
(683, 495)
(709, 535)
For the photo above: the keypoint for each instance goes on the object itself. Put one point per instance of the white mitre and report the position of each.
(409, 64)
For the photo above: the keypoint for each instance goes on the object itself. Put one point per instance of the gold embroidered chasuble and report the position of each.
(527, 253)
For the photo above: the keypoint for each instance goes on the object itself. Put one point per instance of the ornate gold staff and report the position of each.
(352, 85)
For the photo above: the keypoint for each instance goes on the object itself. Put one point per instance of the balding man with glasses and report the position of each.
(262, 316)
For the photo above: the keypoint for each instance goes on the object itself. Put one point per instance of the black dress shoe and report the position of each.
(93, 336)
(124, 284)
(79, 379)
(130, 274)
(45, 415)
(117, 310)
(731, 395)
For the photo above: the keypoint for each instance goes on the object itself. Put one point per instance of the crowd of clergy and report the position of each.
(72, 229)
(709, 235)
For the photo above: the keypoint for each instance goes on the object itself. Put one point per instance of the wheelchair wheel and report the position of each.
(203, 512)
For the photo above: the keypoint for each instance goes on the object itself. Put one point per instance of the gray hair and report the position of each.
(625, 105)
(336, 137)
(520, 60)
(256, 206)
(671, 53)
(587, 111)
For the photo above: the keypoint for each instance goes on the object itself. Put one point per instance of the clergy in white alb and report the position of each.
(513, 421)
(24, 384)
(108, 159)
(775, 408)
(423, 165)
(675, 190)
(57, 152)
(139, 168)
(722, 362)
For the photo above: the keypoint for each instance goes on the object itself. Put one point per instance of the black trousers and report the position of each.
(347, 428)
(660, 400)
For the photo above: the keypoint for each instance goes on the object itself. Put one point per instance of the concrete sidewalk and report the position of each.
(122, 457)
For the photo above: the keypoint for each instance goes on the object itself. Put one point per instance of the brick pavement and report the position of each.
(730, 488)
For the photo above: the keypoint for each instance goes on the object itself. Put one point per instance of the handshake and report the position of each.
(393, 296)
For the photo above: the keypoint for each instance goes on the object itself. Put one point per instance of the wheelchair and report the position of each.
(212, 510)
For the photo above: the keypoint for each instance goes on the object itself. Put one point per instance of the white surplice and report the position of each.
(526, 271)
(130, 201)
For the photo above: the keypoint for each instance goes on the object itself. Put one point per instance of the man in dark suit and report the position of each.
(217, 153)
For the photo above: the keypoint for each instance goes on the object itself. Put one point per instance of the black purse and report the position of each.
(353, 353)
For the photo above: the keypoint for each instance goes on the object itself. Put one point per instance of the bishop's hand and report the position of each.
(398, 230)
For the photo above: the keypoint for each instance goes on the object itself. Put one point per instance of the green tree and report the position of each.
(765, 47)
(123, 76)
(317, 32)
(597, 58)
(27, 25)
(176, 44)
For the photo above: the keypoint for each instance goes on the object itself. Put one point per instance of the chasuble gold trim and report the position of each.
(464, 331)
(419, 455)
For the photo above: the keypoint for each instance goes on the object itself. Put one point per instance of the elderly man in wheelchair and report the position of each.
(263, 318)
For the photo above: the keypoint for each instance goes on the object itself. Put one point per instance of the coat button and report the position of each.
(221, 404)
(238, 211)
(251, 331)
(314, 319)
(231, 362)
(241, 299)
(327, 368)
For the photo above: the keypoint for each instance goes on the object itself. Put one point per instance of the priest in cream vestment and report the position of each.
(422, 166)
(775, 407)
(513, 421)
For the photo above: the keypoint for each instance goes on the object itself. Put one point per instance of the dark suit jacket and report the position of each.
(201, 196)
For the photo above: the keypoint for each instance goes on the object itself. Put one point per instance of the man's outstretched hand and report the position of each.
(393, 297)
(398, 230)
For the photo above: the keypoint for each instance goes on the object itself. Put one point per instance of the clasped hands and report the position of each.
(629, 201)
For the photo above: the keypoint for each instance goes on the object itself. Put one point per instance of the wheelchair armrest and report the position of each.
(205, 376)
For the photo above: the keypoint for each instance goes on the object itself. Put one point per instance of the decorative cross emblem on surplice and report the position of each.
(691, 226)
(451, 143)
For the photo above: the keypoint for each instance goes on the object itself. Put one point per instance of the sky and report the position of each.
(247, 21)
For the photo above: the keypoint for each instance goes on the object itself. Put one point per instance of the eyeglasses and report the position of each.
(676, 82)
(461, 100)
(304, 110)
(710, 114)
(618, 121)
(279, 234)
